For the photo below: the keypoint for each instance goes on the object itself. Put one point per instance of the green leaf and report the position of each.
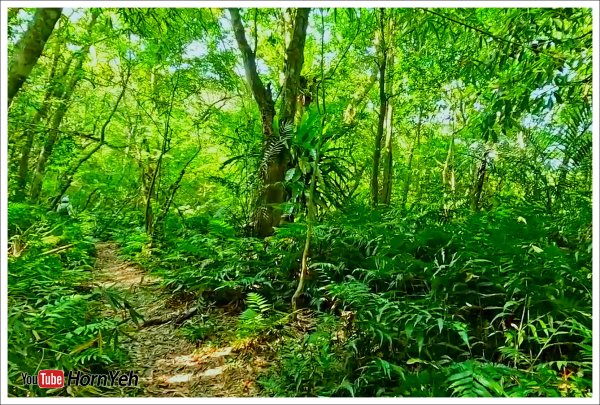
(290, 174)
(536, 249)
(464, 337)
(304, 165)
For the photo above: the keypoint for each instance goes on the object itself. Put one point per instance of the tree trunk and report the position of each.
(309, 229)
(293, 68)
(59, 114)
(55, 90)
(448, 178)
(160, 221)
(40, 169)
(388, 161)
(407, 182)
(382, 112)
(478, 189)
(148, 212)
(30, 131)
(275, 155)
(261, 94)
(89, 199)
(351, 109)
(29, 48)
(563, 170)
(448, 169)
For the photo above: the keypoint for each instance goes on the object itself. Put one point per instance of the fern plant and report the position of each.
(258, 317)
(474, 379)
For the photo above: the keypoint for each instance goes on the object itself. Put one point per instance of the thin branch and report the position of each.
(255, 32)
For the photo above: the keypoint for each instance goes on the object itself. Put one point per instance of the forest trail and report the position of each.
(168, 364)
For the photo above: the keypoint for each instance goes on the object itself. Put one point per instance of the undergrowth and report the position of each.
(488, 304)
(55, 313)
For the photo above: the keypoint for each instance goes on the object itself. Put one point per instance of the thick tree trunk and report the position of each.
(261, 94)
(293, 68)
(29, 48)
(263, 217)
(276, 155)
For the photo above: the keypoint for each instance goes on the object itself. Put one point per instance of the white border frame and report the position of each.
(327, 3)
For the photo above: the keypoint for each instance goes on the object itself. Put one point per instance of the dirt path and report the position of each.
(170, 365)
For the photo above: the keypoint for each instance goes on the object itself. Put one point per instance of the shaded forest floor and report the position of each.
(169, 364)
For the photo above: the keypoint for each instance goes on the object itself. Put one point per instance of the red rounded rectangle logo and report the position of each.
(51, 379)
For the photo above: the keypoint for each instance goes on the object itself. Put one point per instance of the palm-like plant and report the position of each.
(336, 170)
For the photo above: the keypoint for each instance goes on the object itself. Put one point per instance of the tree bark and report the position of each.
(293, 68)
(388, 159)
(261, 94)
(29, 48)
(276, 154)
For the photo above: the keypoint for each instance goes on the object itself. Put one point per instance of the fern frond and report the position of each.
(472, 379)
(275, 145)
(258, 303)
